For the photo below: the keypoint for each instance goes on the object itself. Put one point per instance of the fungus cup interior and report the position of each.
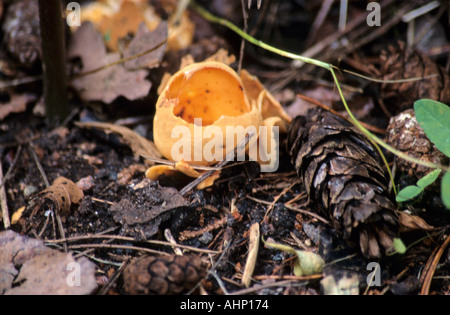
(207, 93)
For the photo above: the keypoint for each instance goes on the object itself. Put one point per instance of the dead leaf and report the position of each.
(17, 215)
(109, 83)
(63, 192)
(412, 222)
(17, 104)
(252, 255)
(142, 215)
(146, 41)
(306, 264)
(138, 144)
(28, 267)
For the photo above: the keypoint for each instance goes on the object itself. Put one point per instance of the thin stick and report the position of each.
(169, 237)
(4, 202)
(229, 157)
(39, 165)
(241, 53)
(434, 262)
(275, 200)
(111, 281)
(129, 239)
(312, 214)
(8, 173)
(323, 106)
(115, 246)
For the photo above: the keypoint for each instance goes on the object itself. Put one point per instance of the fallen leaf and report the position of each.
(108, 83)
(142, 215)
(138, 144)
(412, 222)
(17, 215)
(252, 255)
(306, 264)
(125, 21)
(63, 192)
(146, 41)
(28, 267)
(17, 104)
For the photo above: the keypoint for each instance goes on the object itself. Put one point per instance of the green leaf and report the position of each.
(408, 193)
(434, 118)
(428, 179)
(445, 190)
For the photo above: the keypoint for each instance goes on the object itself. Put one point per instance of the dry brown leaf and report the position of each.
(17, 104)
(63, 192)
(28, 267)
(146, 41)
(142, 215)
(252, 255)
(138, 144)
(109, 83)
(412, 222)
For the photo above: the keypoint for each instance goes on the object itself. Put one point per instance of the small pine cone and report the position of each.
(343, 178)
(22, 33)
(164, 275)
(406, 135)
(403, 63)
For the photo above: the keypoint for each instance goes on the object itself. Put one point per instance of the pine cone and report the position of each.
(22, 31)
(165, 275)
(403, 63)
(343, 178)
(406, 135)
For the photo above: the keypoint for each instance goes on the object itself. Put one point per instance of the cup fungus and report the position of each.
(203, 113)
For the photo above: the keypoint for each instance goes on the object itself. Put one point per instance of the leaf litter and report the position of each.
(117, 80)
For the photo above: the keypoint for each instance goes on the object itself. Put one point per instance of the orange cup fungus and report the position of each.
(202, 110)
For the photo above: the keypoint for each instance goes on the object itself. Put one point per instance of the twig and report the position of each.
(38, 164)
(312, 214)
(283, 283)
(186, 235)
(241, 52)
(432, 264)
(275, 200)
(3, 201)
(229, 157)
(171, 240)
(115, 246)
(113, 279)
(129, 239)
(8, 173)
(323, 106)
